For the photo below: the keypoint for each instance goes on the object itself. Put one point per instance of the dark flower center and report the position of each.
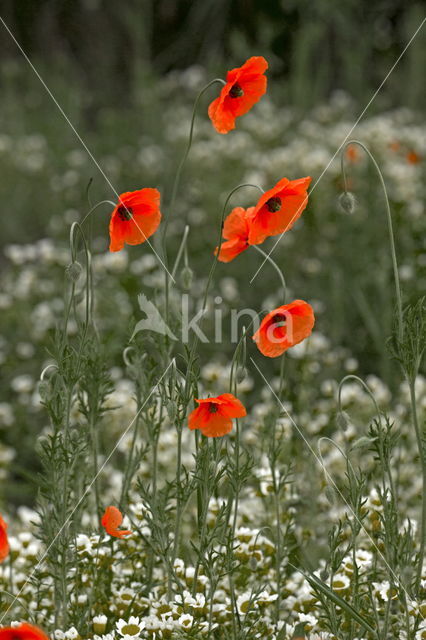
(279, 318)
(273, 204)
(213, 408)
(124, 213)
(236, 91)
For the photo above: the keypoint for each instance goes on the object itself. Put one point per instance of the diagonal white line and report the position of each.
(79, 138)
(87, 490)
(346, 137)
(330, 479)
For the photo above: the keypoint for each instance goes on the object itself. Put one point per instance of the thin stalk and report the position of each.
(210, 278)
(175, 189)
(277, 269)
(127, 479)
(183, 160)
(389, 222)
(422, 454)
(64, 563)
(207, 493)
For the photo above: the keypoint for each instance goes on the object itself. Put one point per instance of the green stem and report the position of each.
(207, 494)
(209, 281)
(389, 221)
(422, 454)
(127, 474)
(175, 189)
(182, 162)
(364, 386)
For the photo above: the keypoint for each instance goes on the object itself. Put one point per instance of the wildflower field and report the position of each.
(213, 407)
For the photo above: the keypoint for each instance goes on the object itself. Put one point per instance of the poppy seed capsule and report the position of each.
(73, 271)
(330, 494)
(124, 213)
(236, 91)
(186, 278)
(241, 374)
(274, 204)
(342, 420)
(347, 202)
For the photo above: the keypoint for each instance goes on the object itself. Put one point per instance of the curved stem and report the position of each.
(182, 162)
(389, 221)
(277, 269)
(167, 217)
(364, 386)
(210, 278)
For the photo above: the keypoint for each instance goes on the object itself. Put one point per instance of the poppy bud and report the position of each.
(330, 494)
(347, 202)
(73, 271)
(362, 443)
(43, 390)
(171, 410)
(241, 374)
(253, 563)
(324, 575)
(342, 420)
(186, 278)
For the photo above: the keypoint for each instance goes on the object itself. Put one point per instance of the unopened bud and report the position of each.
(73, 271)
(361, 443)
(342, 420)
(324, 575)
(186, 278)
(347, 202)
(43, 390)
(171, 410)
(330, 494)
(241, 374)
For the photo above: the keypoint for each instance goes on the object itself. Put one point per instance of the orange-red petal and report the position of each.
(218, 423)
(111, 520)
(4, 543)
(251, 80)
(144, 205)
(272, 339)
(24, 631)
(235, 231)
(293, 198)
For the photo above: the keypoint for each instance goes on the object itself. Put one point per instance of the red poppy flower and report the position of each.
(284, 327)
(236, 233)
(4, 543)
(413, 157)
(244, 87)
(214, 415)
(278, 209)
(135, 218)
(111, 520)
(24, 631)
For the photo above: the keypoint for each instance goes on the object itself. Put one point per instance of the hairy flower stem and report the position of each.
(207, 492)
(277, 269)
(176, 186)
(64, 563)
(209, 281)
(389, 222)
(421, 446)
(94, 441)
(127, 474)
(277, 489)
(178, 497)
